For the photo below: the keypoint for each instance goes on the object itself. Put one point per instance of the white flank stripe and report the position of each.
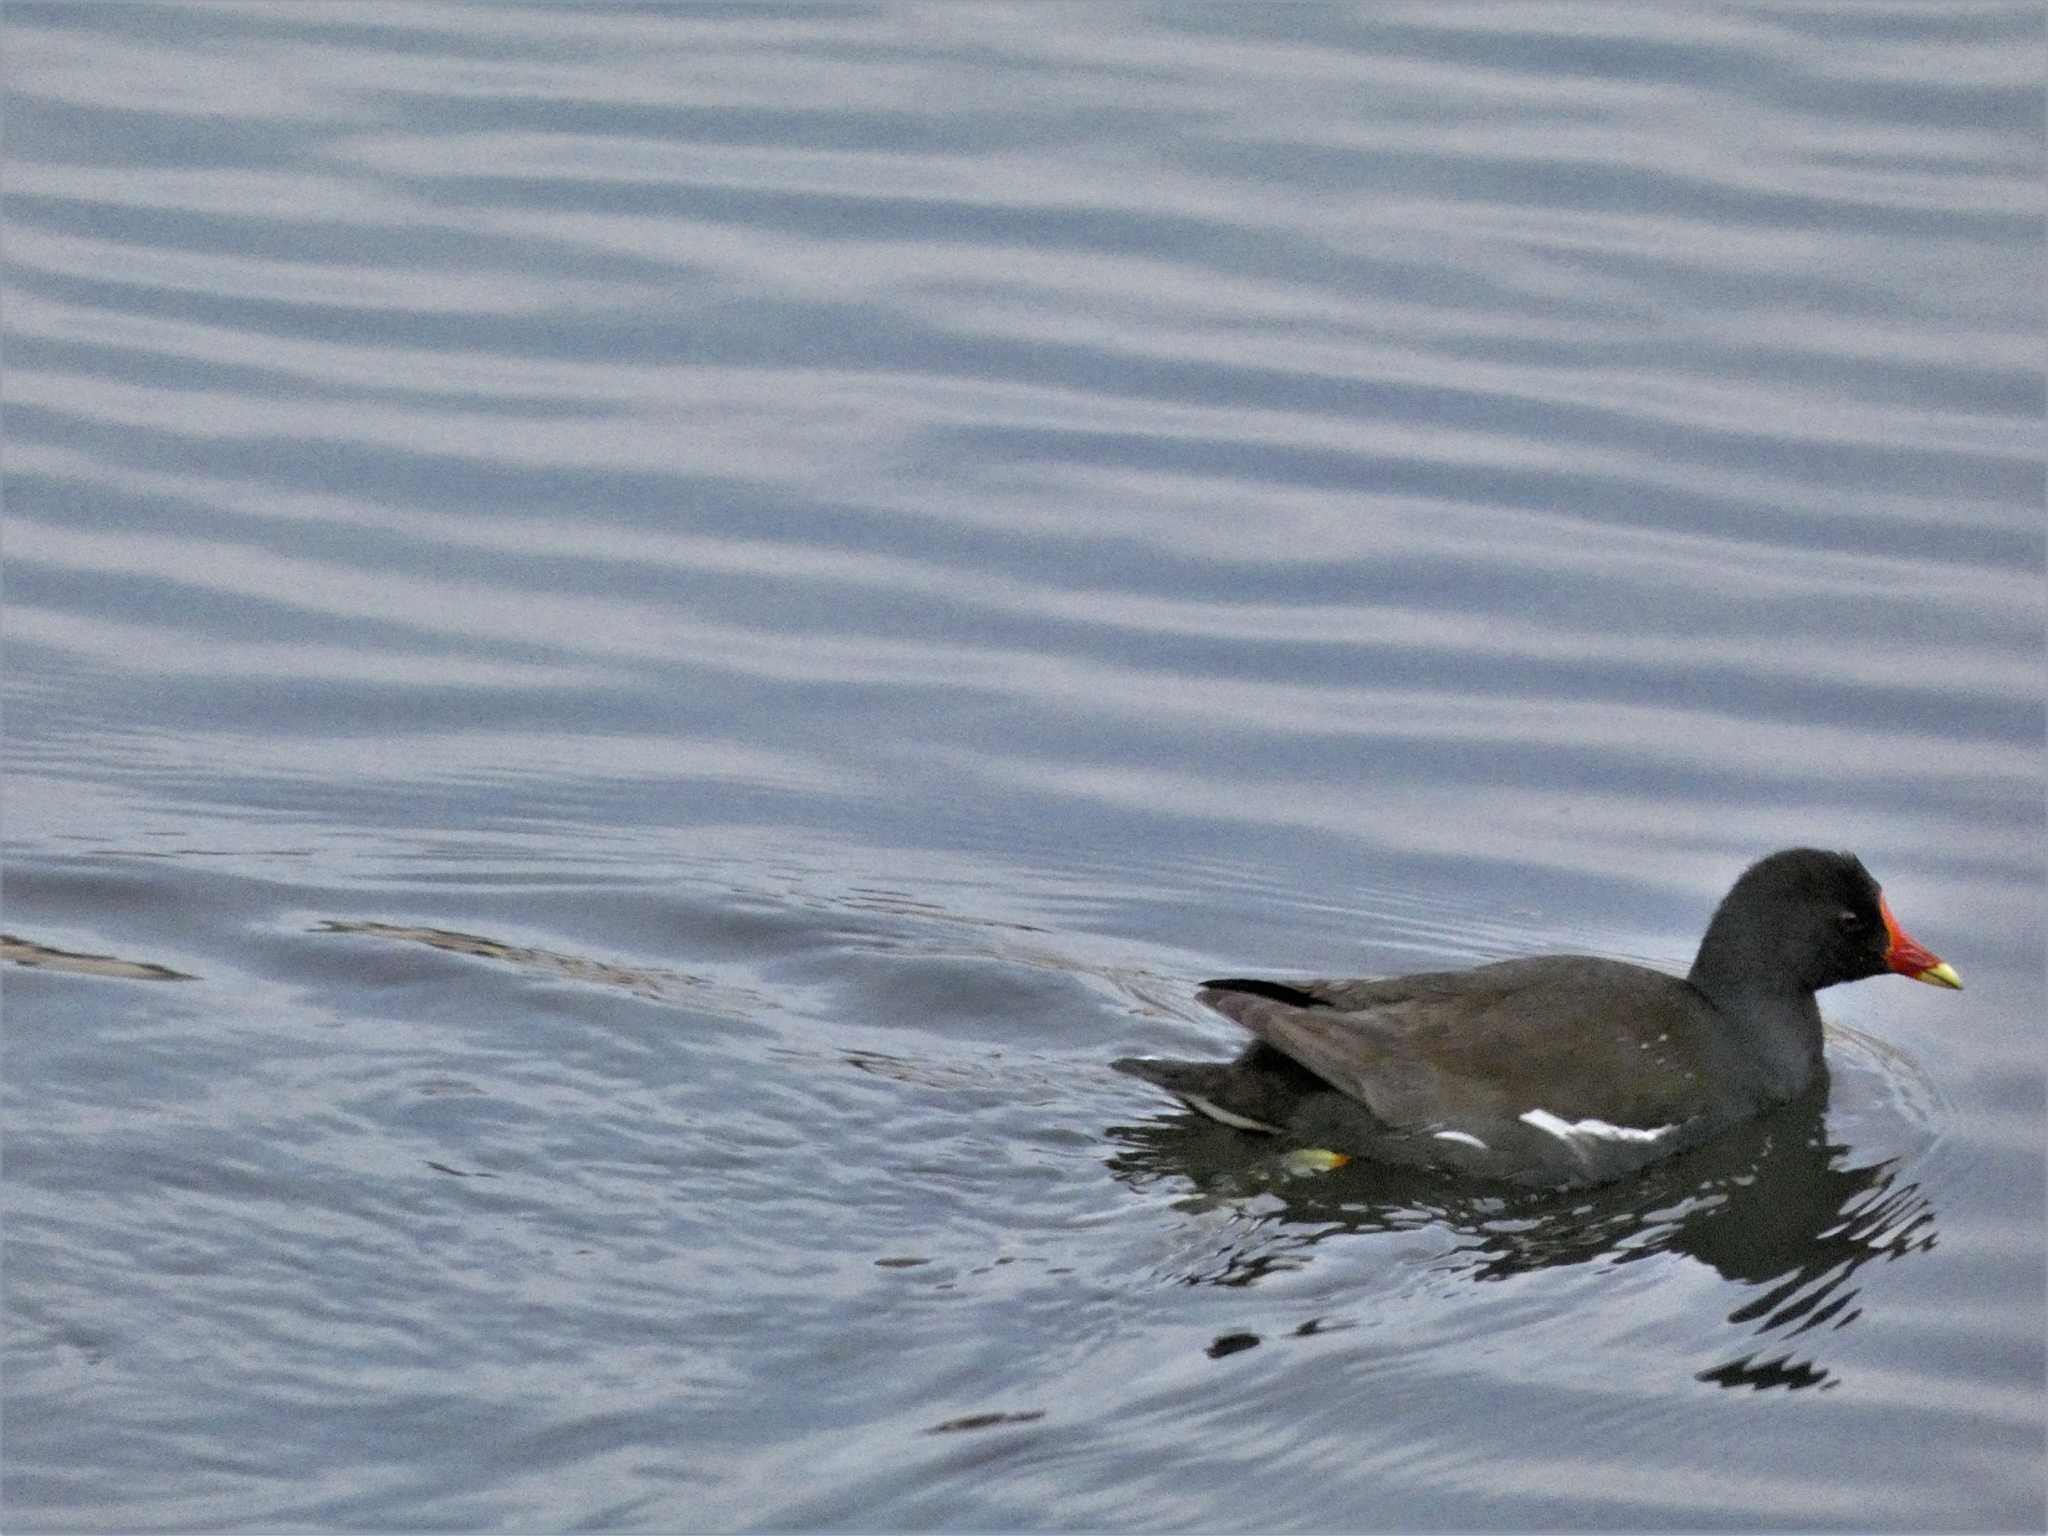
(1470, 1141)
(1592, 1130)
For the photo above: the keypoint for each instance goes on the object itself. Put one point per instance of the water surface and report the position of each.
(639, 639)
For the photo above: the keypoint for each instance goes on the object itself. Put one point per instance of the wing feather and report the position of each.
(1489, 1040)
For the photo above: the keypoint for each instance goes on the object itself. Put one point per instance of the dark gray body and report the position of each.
(1558, 1070)
(1381, 1068)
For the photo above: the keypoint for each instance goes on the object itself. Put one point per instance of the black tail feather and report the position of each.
(1278, 991)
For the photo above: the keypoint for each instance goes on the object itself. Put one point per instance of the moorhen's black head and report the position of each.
(1808, 918)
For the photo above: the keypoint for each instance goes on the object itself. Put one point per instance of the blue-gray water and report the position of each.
(641, 638)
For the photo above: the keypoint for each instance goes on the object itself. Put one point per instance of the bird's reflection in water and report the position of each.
(1772, 1206)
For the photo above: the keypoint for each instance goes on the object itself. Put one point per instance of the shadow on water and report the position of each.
(1772, 1206)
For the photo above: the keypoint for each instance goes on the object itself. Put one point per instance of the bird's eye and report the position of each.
(1852, 922)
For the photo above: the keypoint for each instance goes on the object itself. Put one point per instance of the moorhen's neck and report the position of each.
(1768, 1004)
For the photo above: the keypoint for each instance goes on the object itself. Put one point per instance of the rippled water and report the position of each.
(639, 639)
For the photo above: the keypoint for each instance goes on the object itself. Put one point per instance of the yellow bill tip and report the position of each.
(1941, 974)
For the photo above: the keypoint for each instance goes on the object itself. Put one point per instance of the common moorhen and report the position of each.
(1563, 1069)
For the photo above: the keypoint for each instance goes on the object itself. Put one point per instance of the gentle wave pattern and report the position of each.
(639, 638)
